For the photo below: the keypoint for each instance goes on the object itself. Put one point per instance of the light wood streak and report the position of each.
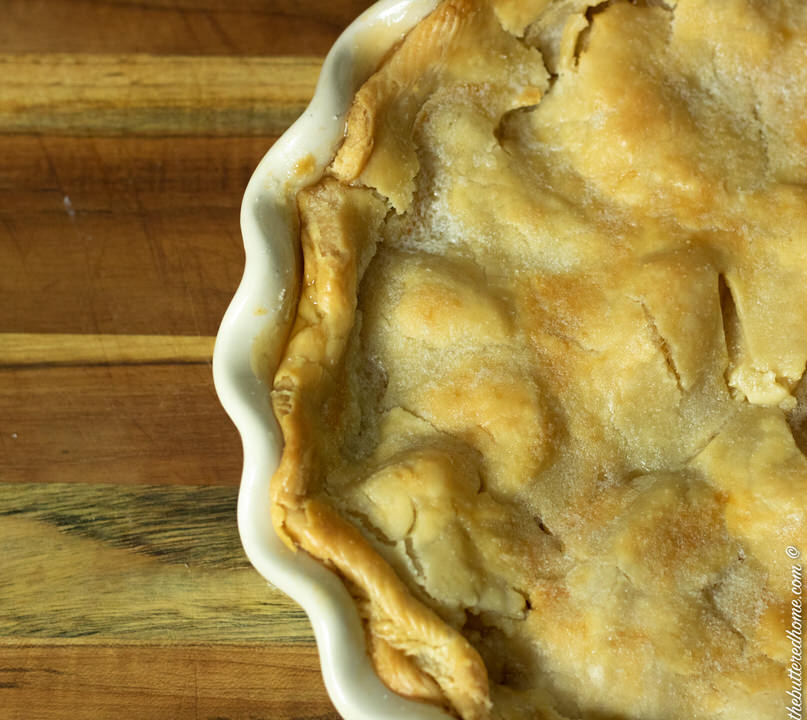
(21, 349)
(152, 95)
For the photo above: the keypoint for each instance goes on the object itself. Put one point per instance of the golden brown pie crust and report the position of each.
(543, 401)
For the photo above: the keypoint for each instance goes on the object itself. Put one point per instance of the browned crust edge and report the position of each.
(302, 517)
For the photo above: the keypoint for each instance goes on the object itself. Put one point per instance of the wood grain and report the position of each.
(128, 131)
(260, 682)
(23, 349)
(159, 564)
(121, 235)
(126, 424)
(189, 27)
(134, 171)
(153, 95)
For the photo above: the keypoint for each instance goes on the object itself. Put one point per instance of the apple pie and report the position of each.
(543, 401)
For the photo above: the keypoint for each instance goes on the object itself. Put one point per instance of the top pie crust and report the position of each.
(543, 401)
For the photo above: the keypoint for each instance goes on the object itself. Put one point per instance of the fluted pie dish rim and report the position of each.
(248, 342)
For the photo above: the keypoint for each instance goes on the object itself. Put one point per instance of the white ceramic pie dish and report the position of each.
(249, 340)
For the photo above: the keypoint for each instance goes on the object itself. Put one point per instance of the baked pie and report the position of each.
(543, 401)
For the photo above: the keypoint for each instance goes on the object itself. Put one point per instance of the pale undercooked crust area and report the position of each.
(543, 403)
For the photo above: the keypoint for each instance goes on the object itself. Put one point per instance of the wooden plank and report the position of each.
(126, 424)
(190, 27)
(157, 683)
(131, 170)
(153, 95)
(121, 235)
(21, 349)
(144, 564)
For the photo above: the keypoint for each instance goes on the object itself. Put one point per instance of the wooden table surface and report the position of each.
(128, 131)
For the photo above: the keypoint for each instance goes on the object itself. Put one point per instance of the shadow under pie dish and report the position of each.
(542, 400)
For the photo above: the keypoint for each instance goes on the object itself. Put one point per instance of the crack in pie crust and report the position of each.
(543, 401)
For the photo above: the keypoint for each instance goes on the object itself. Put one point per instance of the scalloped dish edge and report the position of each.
(251, 336)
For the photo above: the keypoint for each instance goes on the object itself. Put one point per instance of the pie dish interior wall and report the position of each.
(250, 338)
